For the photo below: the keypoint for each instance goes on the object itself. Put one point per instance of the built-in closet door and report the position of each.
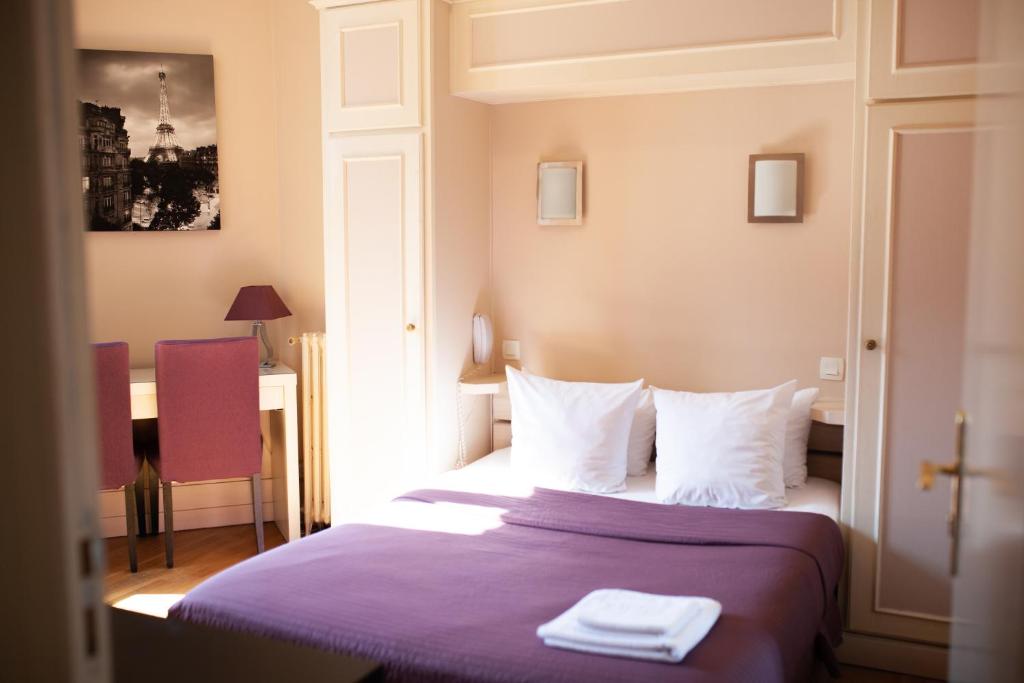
(374, 310)
(911, 329)
(370, 65)
(929, 48)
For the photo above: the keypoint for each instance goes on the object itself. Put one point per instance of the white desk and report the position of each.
(278, 393)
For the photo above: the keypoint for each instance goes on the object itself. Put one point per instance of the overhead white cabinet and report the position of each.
(521, 50)
(370, 65)
(929, 48)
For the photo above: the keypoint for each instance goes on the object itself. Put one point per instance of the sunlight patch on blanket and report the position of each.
(443, 517)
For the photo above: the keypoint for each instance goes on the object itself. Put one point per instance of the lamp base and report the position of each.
(259, 329)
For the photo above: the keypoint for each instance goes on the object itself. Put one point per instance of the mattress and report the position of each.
(491, 474)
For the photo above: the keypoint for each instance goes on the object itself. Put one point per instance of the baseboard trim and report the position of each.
(900, 656)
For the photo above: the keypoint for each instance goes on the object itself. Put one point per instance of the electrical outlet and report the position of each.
(831, 369)
(510, 349)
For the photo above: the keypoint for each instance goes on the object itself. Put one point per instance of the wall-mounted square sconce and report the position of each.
(775, 192)
(560, 193)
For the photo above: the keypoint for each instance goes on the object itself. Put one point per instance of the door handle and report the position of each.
(926, 478)
(955, 472)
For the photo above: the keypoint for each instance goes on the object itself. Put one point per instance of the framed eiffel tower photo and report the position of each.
(148, 134)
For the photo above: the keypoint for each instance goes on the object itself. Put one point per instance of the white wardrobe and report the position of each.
(918, 88)
(406, 262)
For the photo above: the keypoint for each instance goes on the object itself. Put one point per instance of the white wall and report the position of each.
(146, 287)
(666, 280)
(459, 258)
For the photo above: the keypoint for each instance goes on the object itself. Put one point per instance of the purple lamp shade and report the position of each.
(257, 302)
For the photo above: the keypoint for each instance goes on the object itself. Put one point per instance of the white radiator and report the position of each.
(315, 466)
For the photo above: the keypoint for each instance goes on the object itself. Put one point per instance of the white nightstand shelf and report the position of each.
(483, 385)
(829, 412)
(495, 387)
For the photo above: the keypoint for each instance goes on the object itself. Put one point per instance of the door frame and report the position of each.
(54, 560)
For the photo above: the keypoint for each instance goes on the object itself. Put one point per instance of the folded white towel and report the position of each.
(622, 610)
(644, 636)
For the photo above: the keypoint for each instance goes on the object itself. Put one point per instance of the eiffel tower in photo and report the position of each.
(165, 148)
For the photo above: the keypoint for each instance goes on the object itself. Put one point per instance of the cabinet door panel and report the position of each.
(928, 48)
(913, 281)
(370, 66)
(374, 310)
(924, 347)
(521, 50)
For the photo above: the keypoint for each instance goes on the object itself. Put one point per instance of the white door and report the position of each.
(374, 310)
(908, 385)
(52, 562)
(988, 591)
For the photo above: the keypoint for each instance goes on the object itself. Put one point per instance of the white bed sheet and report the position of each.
(492, 474)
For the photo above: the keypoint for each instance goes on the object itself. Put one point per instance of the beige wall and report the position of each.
(296, 49)
(145, 287)
(666, 280)
(459, 259)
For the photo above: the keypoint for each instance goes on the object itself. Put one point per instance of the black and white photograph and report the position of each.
(148, 132)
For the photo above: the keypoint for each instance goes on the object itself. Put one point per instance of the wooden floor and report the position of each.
(201, 553)
(198, 554)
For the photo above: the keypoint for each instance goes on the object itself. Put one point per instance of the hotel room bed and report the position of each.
(450, 583)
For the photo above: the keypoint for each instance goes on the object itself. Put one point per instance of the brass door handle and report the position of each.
(926, 478)
(410, 327)
(955, 471)
(871, 344)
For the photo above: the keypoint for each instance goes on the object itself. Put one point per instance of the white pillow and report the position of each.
(722, 450)
(798, 430)
(641, 436)
(571, 435)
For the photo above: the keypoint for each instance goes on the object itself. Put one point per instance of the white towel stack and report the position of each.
(626, 623)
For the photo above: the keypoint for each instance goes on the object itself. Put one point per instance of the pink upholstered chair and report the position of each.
(119, 465)
(208, 402)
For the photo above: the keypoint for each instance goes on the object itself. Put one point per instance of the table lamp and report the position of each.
(258, 303)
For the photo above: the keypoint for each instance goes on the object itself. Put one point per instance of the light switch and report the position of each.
(510, 349)
(831, 369)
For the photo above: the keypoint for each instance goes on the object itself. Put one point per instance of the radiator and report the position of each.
(315, 466)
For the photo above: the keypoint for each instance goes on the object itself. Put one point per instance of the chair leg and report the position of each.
(168, 524)
(153, 483)
(257, 510)
(130, 522)
(141, 526)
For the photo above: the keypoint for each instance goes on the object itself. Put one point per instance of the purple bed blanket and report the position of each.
(431, 605)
